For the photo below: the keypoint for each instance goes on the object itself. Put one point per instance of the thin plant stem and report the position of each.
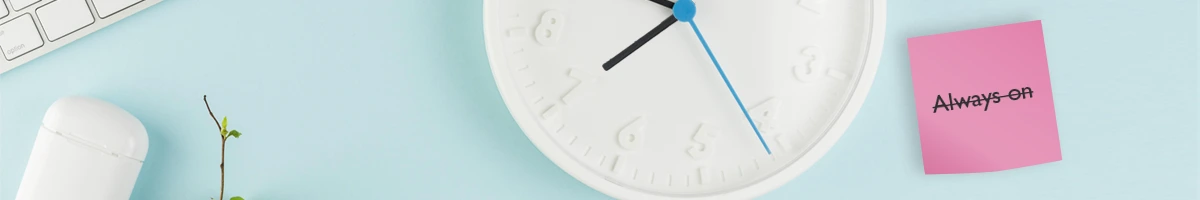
(223, 138)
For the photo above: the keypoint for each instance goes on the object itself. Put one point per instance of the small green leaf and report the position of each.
(224, 123)
(224, 133)
(236, 198)
(235, 134)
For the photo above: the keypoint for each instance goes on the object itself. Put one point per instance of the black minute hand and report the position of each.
(640, 41)
(668, 4)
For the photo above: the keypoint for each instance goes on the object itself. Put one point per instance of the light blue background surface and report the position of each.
(395, 100)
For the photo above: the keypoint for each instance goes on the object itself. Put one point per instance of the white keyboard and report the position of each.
(32, 28)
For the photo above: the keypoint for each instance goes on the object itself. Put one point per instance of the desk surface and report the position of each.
(395, 100)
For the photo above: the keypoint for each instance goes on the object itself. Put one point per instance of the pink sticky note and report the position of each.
(983, 99)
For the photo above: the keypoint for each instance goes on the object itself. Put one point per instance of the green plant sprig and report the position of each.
(223, 126)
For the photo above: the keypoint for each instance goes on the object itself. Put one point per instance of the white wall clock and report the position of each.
(711, 99)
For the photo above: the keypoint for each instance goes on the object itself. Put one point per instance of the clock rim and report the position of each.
(529, 125)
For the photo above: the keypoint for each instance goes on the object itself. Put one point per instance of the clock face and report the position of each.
(623, 95)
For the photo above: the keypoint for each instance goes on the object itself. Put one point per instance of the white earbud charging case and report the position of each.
(85, 149)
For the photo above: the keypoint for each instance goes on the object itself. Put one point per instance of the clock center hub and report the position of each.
(684, 10)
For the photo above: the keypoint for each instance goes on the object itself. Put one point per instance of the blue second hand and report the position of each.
(685, 11)
(730, 86)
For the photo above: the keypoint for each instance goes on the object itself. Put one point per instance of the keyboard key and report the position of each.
(19, 36)
(63, 17)
(106, 8)
(3, 10)
(17, 5)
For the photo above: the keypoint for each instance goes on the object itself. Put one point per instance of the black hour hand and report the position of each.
(641, 41)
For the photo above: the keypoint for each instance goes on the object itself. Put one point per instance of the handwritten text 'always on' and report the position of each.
(985, 99)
